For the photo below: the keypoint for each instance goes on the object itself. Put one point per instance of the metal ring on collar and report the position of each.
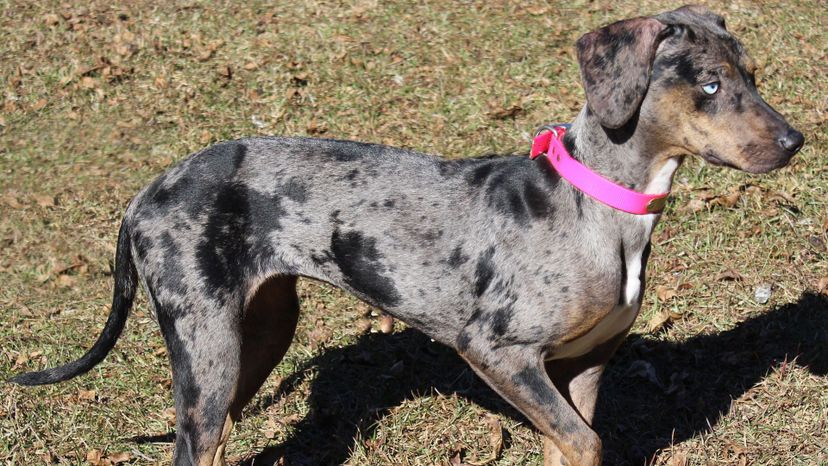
(552, 128)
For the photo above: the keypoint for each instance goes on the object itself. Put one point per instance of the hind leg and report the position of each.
(220, 357)
(267, 329)
(204, 354)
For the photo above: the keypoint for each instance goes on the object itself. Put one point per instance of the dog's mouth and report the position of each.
(714, 159)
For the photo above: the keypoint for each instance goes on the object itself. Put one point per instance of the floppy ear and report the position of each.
(616, 61)
(693, 14)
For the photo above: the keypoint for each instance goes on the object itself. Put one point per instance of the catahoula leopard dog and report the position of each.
(533, 281)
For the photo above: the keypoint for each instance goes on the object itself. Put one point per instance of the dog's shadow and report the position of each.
(653, 392)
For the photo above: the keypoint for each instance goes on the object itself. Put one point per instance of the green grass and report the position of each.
(99, 99)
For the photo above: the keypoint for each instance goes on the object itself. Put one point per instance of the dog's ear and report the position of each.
(616, 61)
(693, 14)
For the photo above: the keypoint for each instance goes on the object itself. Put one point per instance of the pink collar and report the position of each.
(550, 138)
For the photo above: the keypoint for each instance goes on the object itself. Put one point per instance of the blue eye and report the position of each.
(711, 88)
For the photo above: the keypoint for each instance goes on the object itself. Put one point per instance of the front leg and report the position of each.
(517, 374)
(578, 380)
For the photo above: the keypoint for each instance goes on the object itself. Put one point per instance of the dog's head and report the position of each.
(683, 77)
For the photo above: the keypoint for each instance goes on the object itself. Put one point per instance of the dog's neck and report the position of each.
(627, 155)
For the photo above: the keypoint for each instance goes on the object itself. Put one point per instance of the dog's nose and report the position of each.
(792, 141)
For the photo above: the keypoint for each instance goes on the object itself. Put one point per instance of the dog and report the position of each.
(533, 280)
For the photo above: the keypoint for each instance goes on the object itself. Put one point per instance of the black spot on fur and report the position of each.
(202, 171)
(705, 103)
(389, 203)
(352, 174)
(680, 67)
(501, 319)
(463, 341)
(222, 252)
(536, 200)
(579, 200)
(233, 240)
(358, 259)
(172, 274)
(475, 315)
(296, 190)
(478, 175)
(531, 379)
(457, 258)
(321, 258)
(186, 388)
(142, 243)
(737, 103)
(515, 189)
(448, 167)
(484, 272)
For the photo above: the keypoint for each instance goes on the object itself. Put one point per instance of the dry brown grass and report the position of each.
(99, 99)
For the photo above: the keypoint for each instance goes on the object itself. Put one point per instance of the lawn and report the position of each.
(99, 99)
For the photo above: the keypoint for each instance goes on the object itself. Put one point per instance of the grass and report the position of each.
(99, 99)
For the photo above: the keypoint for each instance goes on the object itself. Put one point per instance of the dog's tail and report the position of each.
(126, 279)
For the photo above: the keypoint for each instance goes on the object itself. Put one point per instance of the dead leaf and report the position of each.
(65, 281)
(504, 113)
(11, 201)
(205, 55)
(822, 285)
(386, 324)
(729, 275)
(39, 104)
(363, 326)
(727, 200)
(120, 457)
(658, 321)
(250, 66)
(270, 429)
(168, 415)
(696, 205)
(88, 82)
(51, 19)
(21, 360)
(94, 456)
(226, 72)
(666, 293)
(316, 128)
(44, 200)
(319, 336)
(678, 459)
(781, 197)
(87, 395)
(205, 137)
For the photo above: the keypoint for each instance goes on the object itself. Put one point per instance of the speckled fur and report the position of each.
(534, 283)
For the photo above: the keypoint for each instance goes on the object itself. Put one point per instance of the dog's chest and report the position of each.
(619, 316)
